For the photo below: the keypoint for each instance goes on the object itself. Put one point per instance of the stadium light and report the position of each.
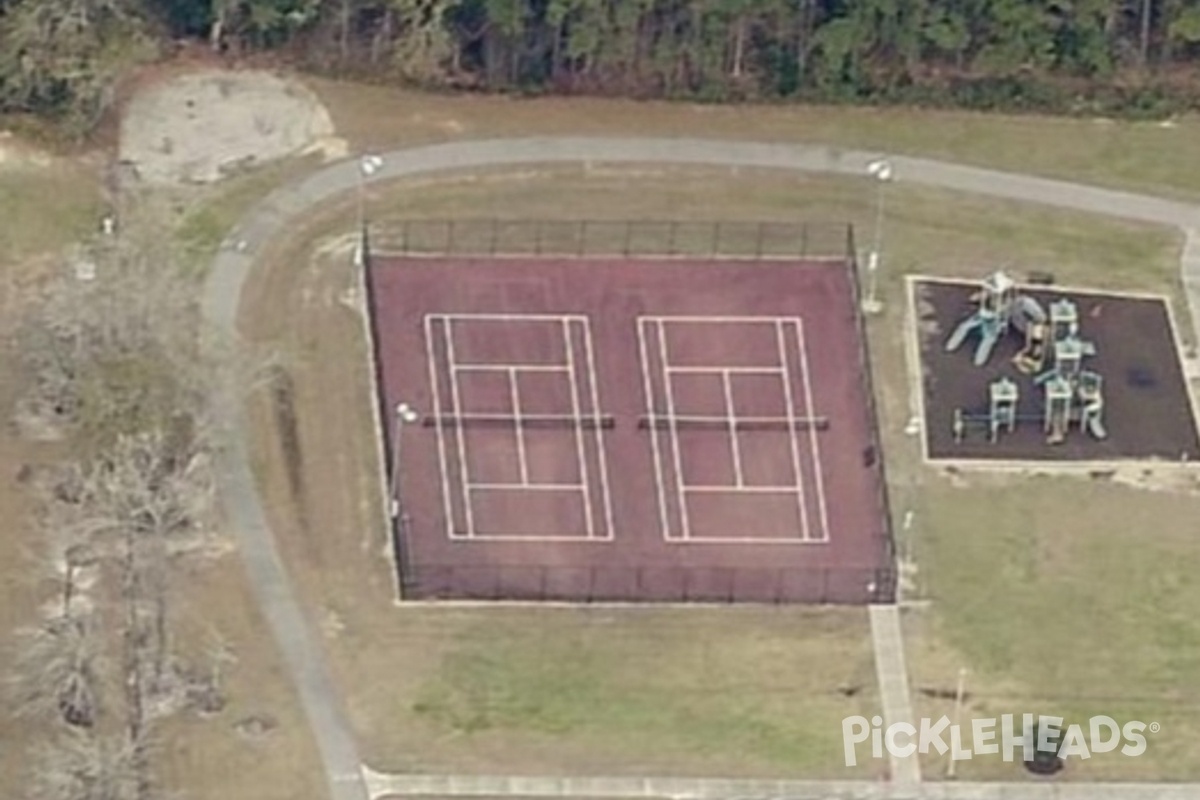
(368, 165)
(405, 415)
(881, 170)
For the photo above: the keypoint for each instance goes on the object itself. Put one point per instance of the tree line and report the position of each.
(1095, 56)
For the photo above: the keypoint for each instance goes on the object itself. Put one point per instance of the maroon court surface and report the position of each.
(611, 430)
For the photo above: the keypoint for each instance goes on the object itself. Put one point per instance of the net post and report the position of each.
(494, 236)
(758, 244)
(582, 236)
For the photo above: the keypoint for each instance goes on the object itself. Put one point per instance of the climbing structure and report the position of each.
(1002, 412)
(1069, 392)
(991, 318)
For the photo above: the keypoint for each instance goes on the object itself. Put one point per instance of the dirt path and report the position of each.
(271, 218)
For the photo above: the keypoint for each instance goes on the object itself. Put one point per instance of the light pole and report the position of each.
(405, 415)
(881, 170)
(368, 165)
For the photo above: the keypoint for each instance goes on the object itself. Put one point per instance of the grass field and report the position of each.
(530, 690)
(43, 206)
(1144, 156)
(1069, 607)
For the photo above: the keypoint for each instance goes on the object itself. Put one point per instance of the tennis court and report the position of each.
(601, 429)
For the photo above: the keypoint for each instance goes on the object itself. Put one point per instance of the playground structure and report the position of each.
(1070, 393)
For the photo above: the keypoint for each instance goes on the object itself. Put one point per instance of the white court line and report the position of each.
(456, 407)
(599, 431)
(686, 419)
(531, 537)
(755, 489)
(812, 433)
(705, 370)
(734, 443)
(580, 458)
(441, 434)
(685, 533)
(510, 317)
(515, 394)
(654, 446)
(801, 499)
(525, 487)
(506, 367)
(692, 320)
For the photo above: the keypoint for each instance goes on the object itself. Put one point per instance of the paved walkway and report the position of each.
(270, 219)
(891, 671)
(495, 786)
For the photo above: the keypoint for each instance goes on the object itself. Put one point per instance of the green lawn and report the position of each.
(43, 208)
(728, 691)
(1068, 597)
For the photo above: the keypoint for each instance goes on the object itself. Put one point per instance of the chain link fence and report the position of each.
(645, 584)
(624, 238)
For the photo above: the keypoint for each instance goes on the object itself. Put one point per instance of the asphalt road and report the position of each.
(271, 218)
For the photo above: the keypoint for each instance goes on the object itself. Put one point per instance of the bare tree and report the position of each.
(85, 766)
(116, 354)
(56, 671)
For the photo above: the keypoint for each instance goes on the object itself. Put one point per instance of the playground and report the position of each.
(1041, 373)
